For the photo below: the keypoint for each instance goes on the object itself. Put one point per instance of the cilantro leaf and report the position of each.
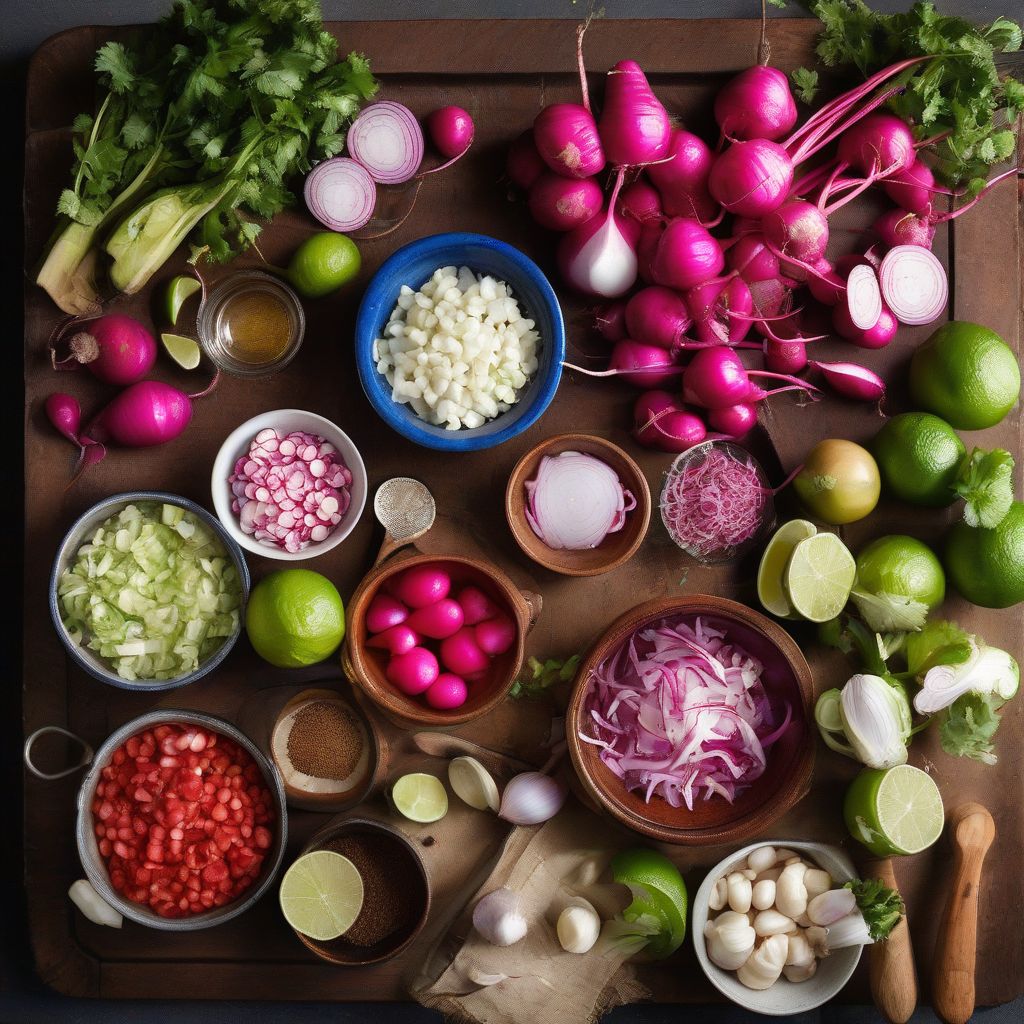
(969, 725)
(985, 482)
(543, 675)
(889, 613)
(881, 906)
(805, 84)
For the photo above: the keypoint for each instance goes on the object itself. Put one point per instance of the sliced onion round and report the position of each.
(914, 284)
(387, 140)
(863, 297)
(341, 194)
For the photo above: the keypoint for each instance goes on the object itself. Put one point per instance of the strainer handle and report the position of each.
(390, 546)
(86, 759)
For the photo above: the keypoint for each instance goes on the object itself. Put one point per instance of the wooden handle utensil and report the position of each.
(972, 830)
(892, 971)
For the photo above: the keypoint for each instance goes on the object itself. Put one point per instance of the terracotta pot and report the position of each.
(786, 780)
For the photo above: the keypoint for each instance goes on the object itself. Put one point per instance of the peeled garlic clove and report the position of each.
(765, 965)
(740, 891)
(800, 972)
(771, 922)
(790, 894)
(816, 882)
(763, 897)
(717, 899)
(498, 919)
(531, 798)
(800, 952)
(831, 906)
(578, 926)
(762, 859)
(93, 905)
(473, 784)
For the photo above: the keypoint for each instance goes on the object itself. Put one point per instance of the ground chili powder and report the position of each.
(326, 740)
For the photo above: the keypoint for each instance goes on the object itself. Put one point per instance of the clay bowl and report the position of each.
(365, 666)
(786, 676)
(617, 548)
(415, 887)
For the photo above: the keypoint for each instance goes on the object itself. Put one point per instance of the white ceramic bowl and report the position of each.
(784, 998)
(285, 420)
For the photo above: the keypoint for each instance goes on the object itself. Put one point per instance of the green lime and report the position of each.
(178, 290)
(295, 617)
(966, 374)
(839, 481)
(420, 797)
(902, 566)
(895, 811)
(321, 895)
(987, 566)
(323, 263)
(184, 351)
(776, 557)
(819, 577)
(659, 890)
(918, 456)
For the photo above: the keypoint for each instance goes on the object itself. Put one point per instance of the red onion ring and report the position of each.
(387, 140)
(340, 194)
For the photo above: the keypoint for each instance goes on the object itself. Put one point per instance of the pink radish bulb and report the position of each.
(641, 202)
(734, 420)
(657, 316)
(143, 415)
(523, 164)
(899, 227)
(495, 636)
(610, 321)
(828, 288)
(414, 671)
(397, 640)
(646, 248)
(797, 229)
(461, 654)
(116, 348)
(447, 692)
(845, 264)
(756, 104)
(634, 126)
(687, 255)
(751, 178)
(715, 379)
(64, 412)
(422, 585)
(852, 381)
(770, 297)
(912, 189)
(751, 258)
(661, 422)
(642, 365)
(561, 204)
(879, 143)
(599, 257)
(681, 177)
(438, 620)
(877, 336)
(567, 140)
(451, 130)
(383, 612)
(476, 605)
(721, 310)
(785, 356)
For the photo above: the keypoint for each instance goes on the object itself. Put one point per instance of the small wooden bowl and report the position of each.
(787, 778)
(617, 548)
(415, 886)
(365, 666)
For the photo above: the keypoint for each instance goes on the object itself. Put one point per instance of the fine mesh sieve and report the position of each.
(405, 508)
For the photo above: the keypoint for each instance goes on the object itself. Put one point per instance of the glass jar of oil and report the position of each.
(251, 324)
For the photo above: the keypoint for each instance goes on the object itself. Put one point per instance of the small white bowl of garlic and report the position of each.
(750, 916)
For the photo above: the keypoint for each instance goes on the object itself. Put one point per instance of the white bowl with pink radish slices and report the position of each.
(288, 484)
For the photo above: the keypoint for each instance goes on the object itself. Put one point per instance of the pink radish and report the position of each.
(785, 356)
(657, 316)
(383, 612)
(476, 605)
(736, 421)
(414, 671)
(561, 204)
(721, 310)
(634, 126)
(751, 258)
(397, 640)
(879, 143)
(913, 188)
(115, 347)
(144, 414)
(826, 286)
(878, 335)
(898, 227)
(65, 414)
(610, 321)
(852, 381)
(681, 178)
(687, 255)
(716, 378)
(642, 365)
(523, 164)
(567, 140)
(438, 620)
(661, 422)
(495, 636)
(461, 654)
(451, 131)
(641, 202)
(914, 284)
(646, 248)
(422, 585)
(756, 104)
(751, 178)
(797, 229)
(447, 692)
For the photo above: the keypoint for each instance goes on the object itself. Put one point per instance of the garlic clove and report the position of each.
(765, 964)
(816, 882)
(790, 894)
(763, 897)
(740, 891)
(771, 922)
(762, 859)
(498, 919)
(578, 926)
(719, 894)
(800, 972)
(93, 905)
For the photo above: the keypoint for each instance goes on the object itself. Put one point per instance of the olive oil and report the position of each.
(256, 327)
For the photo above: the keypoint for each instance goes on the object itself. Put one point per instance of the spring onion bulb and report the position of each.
(341, 194)
(575, 501)
(387, 140)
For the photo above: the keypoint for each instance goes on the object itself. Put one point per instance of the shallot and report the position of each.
(531, 798)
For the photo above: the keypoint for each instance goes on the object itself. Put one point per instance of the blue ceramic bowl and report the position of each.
(413, 265)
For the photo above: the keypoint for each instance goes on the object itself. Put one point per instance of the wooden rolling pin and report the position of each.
(892, 971)
(972, 830)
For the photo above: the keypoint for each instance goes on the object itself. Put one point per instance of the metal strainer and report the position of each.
(405, 508)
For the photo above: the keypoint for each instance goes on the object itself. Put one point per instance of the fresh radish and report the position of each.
(899, 227)
(716, 378)
(495, 636)
(863, 297)
(751, 178)
(451, 130)
(567, 140)
(447, 692)
(115, 347)
(646, 249)
(913, 188)
(797, 229)
(610, 321)
(462, 655)
(681, 178)
(784, 355)
(387, 140)
(642, 365)
(340, 194)
(878, 335)
(422, 585)
(661, 422)
(687, 255)
(852, 381)
(736, 421)
(771, 298)
(383, 612)
(657, 316)
(826, 285)
(414, 671)
(523, 164)
(721, 310)
(397, 640)
(751, 258)
(144, 414)
(476, 605)
(914, 284)
(634, 126)
(438, 620)
(756, 104)
(65, 414)
(561, 204)
(879, 143)
(641, 202)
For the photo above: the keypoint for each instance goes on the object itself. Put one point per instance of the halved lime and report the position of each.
(420, 797)
(776, 557)
(321, 895)
(658, 890)
(819, 577)
(896, 811)
(473, 784)
(178, 290)
(184, 351)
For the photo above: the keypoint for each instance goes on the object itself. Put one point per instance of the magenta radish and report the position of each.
(438, 620)
(561, 204)
(899, 227)
(750, 257)
(397, 640)
(447, 692)
(661, 422)
(64, 412)
(783, 355)
(610, 321)
(681, 178)
(721, 310)
(878, 143)
(735, 421)
(115, 347)
(687, 255)
(826, 285)
(422, 585)
(797, 229)
(451, 130)
(641, 202)
(634, 126)
(756, 104)
(340, 194)
(852, 381)
(716, 378)
(387, 140)
(476, 605)
(567, 140)
(646, 249)
(523, 164)
(751, 178)
(914, 284)
(383, 612)
(642, 365)
(657, 316)
(913, 188)
(863, 298)
(771, 298)
(878, 335)
(462, 655)
(143, 415)
(414, 671)
(495, 636)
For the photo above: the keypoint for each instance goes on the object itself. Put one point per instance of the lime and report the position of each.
(966, 374)
(184, 351)
(839, 482)
(323, 263)
(420, 797)
(321, 895)
(773, 565)
(658, 890)
(918, 456)
(987, 566)
(895, 811)
(178, 290)
(295, 617)
(902, 566)
(819, 577)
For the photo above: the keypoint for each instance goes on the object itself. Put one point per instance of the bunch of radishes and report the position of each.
(438, 644)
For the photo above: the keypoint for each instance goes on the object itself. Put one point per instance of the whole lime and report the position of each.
(295, 617)
(323, 263)
(902, 566)
(987, 565)
(966, 374)
(918, 455)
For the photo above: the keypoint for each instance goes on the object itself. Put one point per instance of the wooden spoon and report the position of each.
(893, 975)
(953, 986)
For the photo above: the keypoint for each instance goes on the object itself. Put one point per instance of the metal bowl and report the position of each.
(82, 528)
(88, 849)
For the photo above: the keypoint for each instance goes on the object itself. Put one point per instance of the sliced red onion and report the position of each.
(851, 380)
(341, 194)
(575, 501)
(914, 284)
(863, 297)
(387, 140)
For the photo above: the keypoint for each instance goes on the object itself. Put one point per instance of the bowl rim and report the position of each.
(797, 782)
(73, 537)
(232, 446)
(368, 321)
(713, 972)
(521, 531)
(97, 873)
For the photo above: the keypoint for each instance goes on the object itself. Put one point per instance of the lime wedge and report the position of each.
(179, 289)
(420, 797)
(776, 556)
(321, 895)
(184, 351)
(819, 577)
(473, 784)
(658, 891)
(897, 811)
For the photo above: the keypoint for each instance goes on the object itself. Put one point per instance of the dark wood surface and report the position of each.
(502, 72)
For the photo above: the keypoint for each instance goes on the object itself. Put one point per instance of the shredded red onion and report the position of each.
(341, 194)
(387, 140)
(680, 712)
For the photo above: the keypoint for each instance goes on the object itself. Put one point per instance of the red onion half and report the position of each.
(341, 194)
(387, 140)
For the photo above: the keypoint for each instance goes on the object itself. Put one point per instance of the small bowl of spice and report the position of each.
(578, 505)
(395, 892)
(716, 502)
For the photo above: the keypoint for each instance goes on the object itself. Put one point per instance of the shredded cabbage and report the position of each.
(153, 592)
